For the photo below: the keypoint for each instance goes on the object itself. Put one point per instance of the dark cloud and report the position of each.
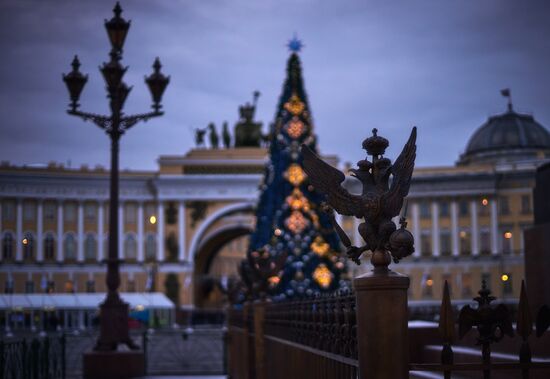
(435, 64)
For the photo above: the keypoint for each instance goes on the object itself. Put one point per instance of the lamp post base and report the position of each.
(113, 364)
(114, 325)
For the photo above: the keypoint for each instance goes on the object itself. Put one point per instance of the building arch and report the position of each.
(210, 220)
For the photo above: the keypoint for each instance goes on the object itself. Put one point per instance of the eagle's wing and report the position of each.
(402, 170)
(327, 180)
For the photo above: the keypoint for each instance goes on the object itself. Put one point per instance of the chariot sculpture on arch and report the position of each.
(378, 203)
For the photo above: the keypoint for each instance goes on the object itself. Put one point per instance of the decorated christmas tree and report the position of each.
(293, 250)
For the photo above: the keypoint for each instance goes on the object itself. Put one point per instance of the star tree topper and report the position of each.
(378, 203)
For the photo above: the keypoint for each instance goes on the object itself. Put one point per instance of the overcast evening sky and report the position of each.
(388, 64)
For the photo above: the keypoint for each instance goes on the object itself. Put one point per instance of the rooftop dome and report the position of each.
(507, 137)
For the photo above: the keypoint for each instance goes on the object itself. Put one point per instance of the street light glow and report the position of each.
(153, 220)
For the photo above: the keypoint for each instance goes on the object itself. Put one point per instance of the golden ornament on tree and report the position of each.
(322, 276)
(295, 175)
(295, 105)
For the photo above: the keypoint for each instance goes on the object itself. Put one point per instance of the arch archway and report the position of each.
(214, 239)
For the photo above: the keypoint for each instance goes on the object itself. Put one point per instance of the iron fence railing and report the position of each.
(292, 338)
(36, 358)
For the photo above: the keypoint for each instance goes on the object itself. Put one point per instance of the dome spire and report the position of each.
(507, 93)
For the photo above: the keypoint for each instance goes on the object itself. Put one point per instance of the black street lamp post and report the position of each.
(114, 312)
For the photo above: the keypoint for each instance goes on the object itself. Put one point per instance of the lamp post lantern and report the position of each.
(114, 312)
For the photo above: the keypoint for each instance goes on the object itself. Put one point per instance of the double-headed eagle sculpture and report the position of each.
(379, 202)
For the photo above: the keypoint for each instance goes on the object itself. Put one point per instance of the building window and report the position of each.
(130, 247)
(29, 286)
(8, 286)
(444, 209)
(69, 247)
(485, 242)
(69, 212)
(49, 247)
(8, 210)
(486, 277)
(171, 214)
(465, 242)
(90, 247)
(463, 208)
(130, 213)
(427, 286)
(507, 288)
(445, 242)
(49, 211)
(131, 286)
(7, 246)
(466, 279)
(484, 207)
(90, 212)
(525, 204)
(504, 205)
(90, 286)
(426, 243)
(69, 286)
(150, 248)
(28, 246)
(50, 287)
(29, 211)
(425, 209)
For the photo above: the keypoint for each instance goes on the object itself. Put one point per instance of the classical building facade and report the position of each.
(190, 219)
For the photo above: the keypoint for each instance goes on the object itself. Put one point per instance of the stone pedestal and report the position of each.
(113, 365)
(537, 266)
(382, 324)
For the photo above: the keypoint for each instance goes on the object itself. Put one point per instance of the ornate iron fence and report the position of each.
(493, 323)
(318, 337)
(38, 358)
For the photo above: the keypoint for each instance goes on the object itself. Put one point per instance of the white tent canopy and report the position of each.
(148, 300)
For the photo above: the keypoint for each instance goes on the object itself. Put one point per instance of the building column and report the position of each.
(80, 233)
(39, 231)
(181, 231)
(454, 228)
(160, 232)
(140, 256)
(435, 229)
(19, 231)
(416, 230)
(100, 243)
(475, 228)
(494, 227)
(121, 230)
(60, 255)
